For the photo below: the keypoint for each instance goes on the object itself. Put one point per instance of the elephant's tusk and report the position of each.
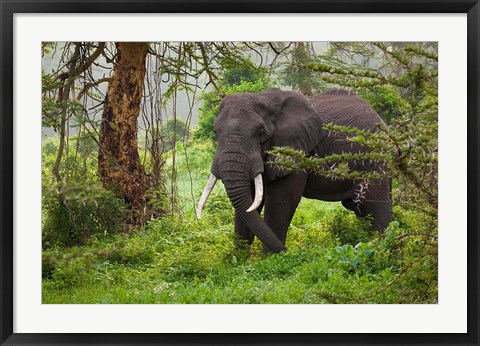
(205, 194)
(258, 193)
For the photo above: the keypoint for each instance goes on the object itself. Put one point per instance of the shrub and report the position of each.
(346, 228)
(71, 220)
(387, 101)
(219, 207)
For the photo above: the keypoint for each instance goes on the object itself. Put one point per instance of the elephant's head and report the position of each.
(247, 126)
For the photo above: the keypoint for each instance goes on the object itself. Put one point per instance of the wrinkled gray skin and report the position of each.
(250, 124)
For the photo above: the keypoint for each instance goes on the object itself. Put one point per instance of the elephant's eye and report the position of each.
(262, 135)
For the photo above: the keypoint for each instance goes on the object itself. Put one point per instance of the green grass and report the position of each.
(182, 260)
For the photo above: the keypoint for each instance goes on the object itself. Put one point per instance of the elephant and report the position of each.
(248, 125)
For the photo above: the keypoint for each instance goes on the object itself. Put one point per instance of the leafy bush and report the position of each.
(219, 207)
(195, 157)
(387, 102)
(175, 130)
(346, 228)
(70, 218)
(239, 74)
(174, 260)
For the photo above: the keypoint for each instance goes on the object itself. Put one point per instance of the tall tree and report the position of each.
(296, 74)
(119, 165)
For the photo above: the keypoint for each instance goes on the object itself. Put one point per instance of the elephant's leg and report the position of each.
(359, 209)
(350, 205)
(378, 204)
(282, 196)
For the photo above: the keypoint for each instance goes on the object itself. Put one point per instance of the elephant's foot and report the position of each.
(241, 244)
(266, 251)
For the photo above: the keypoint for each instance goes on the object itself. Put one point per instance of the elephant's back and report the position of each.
(345, 108)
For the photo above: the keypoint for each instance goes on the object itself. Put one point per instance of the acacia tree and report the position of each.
(409, 146)
(119, 165)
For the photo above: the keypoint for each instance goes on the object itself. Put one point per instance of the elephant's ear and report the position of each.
(297, 125)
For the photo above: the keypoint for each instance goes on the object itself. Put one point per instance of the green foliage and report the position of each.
(51, 108)
(347, 229)
(333, 257)
(238, 74)
(207, 114)
(195, 156)
(180, 260)
(79, 208)
(47, 47)
(387, 101)
(220, 206)
(54, 111)
(70, 220)
(297, 75)
(175, 130)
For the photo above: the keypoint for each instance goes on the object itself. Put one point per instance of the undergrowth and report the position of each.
(332, 258)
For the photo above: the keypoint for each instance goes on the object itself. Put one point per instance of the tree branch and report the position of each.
(87, 86)
(83, 67)
(211, 75)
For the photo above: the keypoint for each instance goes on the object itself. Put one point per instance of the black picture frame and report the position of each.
(7, 175)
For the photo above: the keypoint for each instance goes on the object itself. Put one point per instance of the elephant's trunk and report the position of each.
(236, 175)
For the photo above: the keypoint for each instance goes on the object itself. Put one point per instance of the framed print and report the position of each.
(259, 172)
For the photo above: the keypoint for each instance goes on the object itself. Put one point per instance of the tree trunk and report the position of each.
(119, 164)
